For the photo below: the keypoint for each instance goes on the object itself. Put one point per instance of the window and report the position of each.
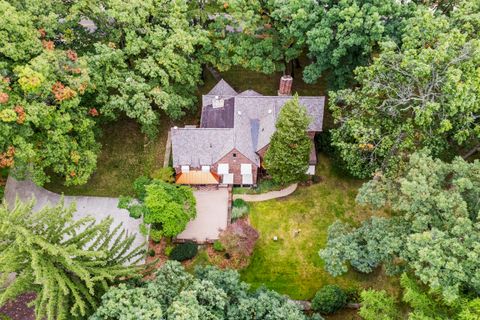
(234, 155)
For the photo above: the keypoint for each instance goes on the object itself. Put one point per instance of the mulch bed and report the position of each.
(17, 309)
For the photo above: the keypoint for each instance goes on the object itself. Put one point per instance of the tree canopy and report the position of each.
(166, 207)
(68, 264)
(209, 293)
(422, 94)
(147, 62)
(287, 156)
(347, 34)
(435, 234)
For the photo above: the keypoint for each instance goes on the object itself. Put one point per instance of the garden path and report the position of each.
(268, 195)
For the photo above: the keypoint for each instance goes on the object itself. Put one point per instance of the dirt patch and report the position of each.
(18, 309)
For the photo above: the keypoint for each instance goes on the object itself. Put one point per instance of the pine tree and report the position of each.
(287, 157)
(68, 264)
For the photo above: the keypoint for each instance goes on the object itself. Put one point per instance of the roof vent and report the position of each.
(217, 102)
(175, 127)
(269, 111)
(239, 113)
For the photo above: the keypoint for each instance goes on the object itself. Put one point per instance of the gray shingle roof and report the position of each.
(222, 88)
(200, 146)
(248, 122)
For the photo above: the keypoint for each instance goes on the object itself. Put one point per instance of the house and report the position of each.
(234, 135)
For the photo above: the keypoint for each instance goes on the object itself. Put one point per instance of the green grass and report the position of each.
(291, 265)
(126, 154)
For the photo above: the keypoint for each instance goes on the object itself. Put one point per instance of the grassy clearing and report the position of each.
(291, 265)
(126, 154)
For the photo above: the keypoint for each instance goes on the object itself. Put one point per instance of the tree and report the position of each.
(68, 264)
(329, 299)
(287, 156)
(46, 125)
(347, 34)
(147, 61)
(434, 234)
(238, 240)
(262, 36)
(207, 294)
(423, 94)
(166, 207)
(377, 305)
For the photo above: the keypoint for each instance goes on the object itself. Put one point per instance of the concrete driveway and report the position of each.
(97, 207)
(212, 216)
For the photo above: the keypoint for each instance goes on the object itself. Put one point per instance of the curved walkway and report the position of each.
(268, 195)
(97, 207)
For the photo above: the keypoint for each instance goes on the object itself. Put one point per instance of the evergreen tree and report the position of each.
(68, 264)
(287, 156)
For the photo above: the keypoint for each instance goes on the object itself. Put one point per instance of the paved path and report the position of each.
(267, 195)
(212, 216)
(98, 207)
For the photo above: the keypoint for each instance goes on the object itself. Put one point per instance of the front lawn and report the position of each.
(291, 265)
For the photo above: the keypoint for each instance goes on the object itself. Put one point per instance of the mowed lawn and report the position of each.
(291, 265)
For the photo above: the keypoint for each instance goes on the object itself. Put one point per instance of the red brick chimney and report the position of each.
(285, 86)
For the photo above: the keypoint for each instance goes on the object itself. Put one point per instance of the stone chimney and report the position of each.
(285, 86)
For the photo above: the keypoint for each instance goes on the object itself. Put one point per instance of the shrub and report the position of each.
(239, 209)
(168, 250)
(238, 203)
(151, 253)
(329, 299)
(184, 251)
(239, 212)
(377, 305)
(217, 246)
(156, 234)
(239, 241)
(139, 186)
(164, 174)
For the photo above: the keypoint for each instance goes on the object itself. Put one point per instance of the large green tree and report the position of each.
(147, 60)
(166, 207)
(346, 34)
(422, 94)
(434, 234)
(262, 36)
(68, 264)
(287, 156)
(208, 294)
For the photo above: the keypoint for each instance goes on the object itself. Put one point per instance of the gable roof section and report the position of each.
(200, 146)
(221, 89)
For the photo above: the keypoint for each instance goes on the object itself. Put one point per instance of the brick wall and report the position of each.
(235, 165)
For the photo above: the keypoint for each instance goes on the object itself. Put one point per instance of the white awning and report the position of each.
(246, 168)
(223, 168)
(311, 170)
(185, 168)
(227, 178)
(206, 168)
(247, 179)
